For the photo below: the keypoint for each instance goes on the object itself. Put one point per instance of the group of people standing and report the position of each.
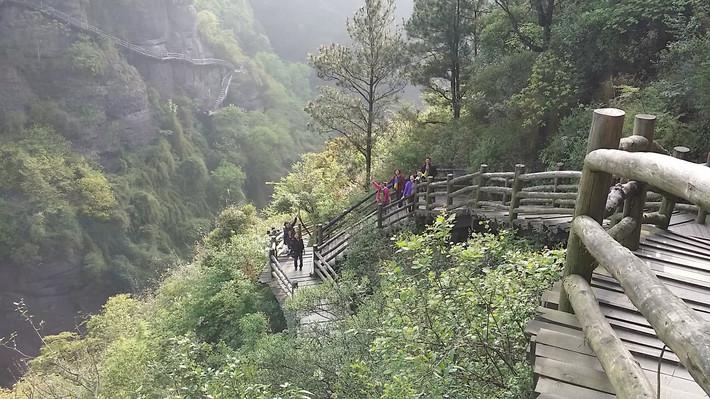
(399, 186)
(294, 241)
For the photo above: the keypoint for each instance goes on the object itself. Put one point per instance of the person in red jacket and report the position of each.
(383, 193)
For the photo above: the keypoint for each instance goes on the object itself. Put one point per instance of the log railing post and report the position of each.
(644, 125)
(479, 182)
(517, 186)
(606, 130)
(319, 234)
(668, 203)
(506, 184)
(429, 190)
(556, 183)
(415, 197)
(379, 216)
(702, 213)
(449, 190)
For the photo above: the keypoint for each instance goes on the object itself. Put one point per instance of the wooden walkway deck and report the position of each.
(303, 278)
(565, 366)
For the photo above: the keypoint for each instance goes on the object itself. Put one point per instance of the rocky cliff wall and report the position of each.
(99, 96)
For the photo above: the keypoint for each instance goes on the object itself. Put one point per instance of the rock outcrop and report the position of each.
(98, 95)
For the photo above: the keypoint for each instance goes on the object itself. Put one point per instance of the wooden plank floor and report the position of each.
(565, 366)
(305, 278)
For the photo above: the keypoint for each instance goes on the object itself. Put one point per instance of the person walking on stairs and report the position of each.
(297, 248)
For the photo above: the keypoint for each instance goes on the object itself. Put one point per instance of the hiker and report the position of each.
(397, 183)
(297, 248)
(288, 228)
(383, 193)
(408, 192)
(428, 169)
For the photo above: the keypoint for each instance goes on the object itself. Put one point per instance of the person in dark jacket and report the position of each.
(288, 229)
(428, 169)
(297, 249)
(397, 184)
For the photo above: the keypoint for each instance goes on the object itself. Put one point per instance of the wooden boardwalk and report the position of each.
(566, 367)
(629, 180)
(300, 279)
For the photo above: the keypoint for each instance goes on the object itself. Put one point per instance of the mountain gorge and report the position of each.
(115, 156)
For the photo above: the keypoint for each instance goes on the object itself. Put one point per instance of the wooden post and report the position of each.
(449, 190)
(607, 127)
(517, 186)
(702, 213)
(556, 183)
(319, 234)
(644, 125)
(505, 195)
(379, 216)
(415, 197)
(479, 183)
(429, 190)
(668, 203)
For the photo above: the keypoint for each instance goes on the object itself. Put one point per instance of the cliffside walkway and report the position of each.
(283, 278)
(159, 55)
(629, 318)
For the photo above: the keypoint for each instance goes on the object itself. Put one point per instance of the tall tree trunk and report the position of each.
(456, 63)
(370, 124)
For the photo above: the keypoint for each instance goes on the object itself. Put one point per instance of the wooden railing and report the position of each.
(550, 192)
(685, 332)
(277, 247)
(650, 185)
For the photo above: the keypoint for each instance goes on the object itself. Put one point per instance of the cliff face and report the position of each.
(108, 93)
(101, 98)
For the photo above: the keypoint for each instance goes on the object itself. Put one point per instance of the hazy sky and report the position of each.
(297, 27)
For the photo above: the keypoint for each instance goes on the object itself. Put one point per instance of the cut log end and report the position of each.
(610, 112)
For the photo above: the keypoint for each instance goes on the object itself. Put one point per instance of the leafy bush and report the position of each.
(86, 56)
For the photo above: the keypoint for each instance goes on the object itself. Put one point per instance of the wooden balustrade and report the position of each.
(634, 160)
(702, 213)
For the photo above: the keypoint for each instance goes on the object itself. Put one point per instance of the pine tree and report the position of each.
(366, 78)
(445, 35)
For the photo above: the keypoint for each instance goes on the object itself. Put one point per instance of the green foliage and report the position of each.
(550, 92)
(321, 185)
(569, 144)
(446, 37)
(50, 189)
(87, 57)
(228, 180)
(182, 341)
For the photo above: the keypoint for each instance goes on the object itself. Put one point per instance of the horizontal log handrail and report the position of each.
(553, 174)
(460, 179)
(552, 187)
(547, 195)
(490, 175)
(283, 279)
(677, 325)
(625, 374)
(683, 179)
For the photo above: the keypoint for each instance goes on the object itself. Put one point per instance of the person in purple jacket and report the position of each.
(408, 192)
